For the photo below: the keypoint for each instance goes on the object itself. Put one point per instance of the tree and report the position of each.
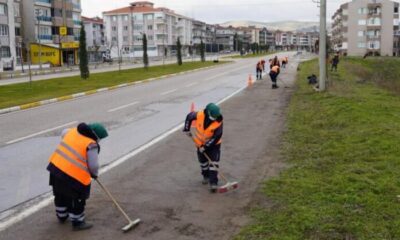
(235, 41)
(202, 51)
(83, 58)
(179, 51)
(145, 56)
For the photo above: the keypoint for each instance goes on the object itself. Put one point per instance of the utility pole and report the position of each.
(322, 46)
(38, 17)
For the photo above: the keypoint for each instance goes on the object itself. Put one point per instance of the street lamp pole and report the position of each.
(322, 46)
(38, 16)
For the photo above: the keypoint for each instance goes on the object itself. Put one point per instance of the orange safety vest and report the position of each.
(71, 156)
(275, 69)
(201, 135)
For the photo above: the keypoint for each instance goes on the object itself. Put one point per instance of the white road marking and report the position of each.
(41, 132)
(169, 91)
(224, 73)
(192, 84)
(122, 107)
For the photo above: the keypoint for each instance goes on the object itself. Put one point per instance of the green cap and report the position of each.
(213, 110)
(99, 130)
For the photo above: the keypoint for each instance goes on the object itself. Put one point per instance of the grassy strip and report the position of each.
(342, 147)
(23, 93)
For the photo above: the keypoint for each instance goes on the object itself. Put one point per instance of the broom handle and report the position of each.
(114, 201)
(210, 162)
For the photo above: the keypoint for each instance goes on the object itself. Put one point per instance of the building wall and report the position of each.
(356, 43)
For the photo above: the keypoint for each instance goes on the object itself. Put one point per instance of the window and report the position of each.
(3, 9)
(396, 9)
(16, 10)
(150, 27)
(362, 11)
(125, 38)
(138, 27)
(114, 18)
(362, 22)
(3, 30)
(361, 33)
(374, 21)
(361, 44)
(17, 31)
(114, 39)
(114, 28)
(125, 28)
(56, 12)
(5, 52)
(150, 38)
(149, 16)
(125, 17)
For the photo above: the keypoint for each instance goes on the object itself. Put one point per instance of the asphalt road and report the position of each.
(134, 116)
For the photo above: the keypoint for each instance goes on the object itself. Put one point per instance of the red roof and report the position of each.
(93, 20)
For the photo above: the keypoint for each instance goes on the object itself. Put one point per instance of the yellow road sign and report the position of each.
(63, 31)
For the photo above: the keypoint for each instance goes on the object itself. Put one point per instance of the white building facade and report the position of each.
(124, 29)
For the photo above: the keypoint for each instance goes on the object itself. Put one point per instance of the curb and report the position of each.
(90, 92)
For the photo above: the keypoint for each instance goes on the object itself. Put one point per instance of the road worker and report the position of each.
(273, 73)
(72, 166)
(207, 134)
(259, 70)
(284, 62)
(274, 62)
(335, 62)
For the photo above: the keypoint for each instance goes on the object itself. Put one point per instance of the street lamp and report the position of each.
(38, 16)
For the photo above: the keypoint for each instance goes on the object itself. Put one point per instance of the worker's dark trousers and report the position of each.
(208, 170)
(273, 76)
(72, 207)
(258, 73)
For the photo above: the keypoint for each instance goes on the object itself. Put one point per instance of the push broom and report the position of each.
(131, 223)
(228, 185)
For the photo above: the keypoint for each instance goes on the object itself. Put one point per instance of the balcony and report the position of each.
(45, 37)
(48, 2)
(44, 18)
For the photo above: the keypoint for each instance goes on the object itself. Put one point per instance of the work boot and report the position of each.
(205, 180)
(213, 188)
(62, 219)
(81, 226)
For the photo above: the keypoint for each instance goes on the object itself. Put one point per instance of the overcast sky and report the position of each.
(219, 11)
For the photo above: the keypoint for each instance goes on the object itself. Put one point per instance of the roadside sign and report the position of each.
(63, 31)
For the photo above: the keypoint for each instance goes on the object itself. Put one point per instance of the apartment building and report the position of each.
(225, 37)
(10, 25)
(124, 28)
(51, 30)
(366, 27)
(95, 38)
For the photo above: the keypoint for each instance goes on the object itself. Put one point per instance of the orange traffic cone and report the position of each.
(249, 81)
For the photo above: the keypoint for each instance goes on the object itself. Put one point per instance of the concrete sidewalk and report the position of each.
(161, 185)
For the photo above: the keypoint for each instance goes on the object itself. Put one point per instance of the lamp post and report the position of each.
(38, 16)
(322, 46)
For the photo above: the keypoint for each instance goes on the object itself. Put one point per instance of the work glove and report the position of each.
(202, 149)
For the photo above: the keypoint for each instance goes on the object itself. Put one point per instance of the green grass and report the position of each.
(342, 149)
(23, 93)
